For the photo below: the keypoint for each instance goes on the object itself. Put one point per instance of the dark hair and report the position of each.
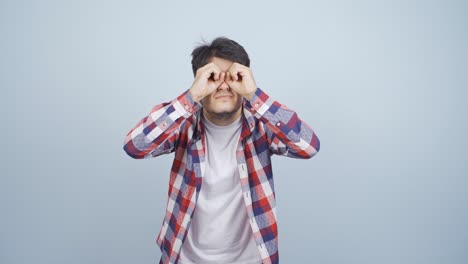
(220, 47)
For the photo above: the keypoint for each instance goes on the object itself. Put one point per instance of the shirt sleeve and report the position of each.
(159, 132)
(287, 134)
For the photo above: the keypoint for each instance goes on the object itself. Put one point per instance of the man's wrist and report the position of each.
(259, 103)
(195, 97)
(186, 105)
(249, 95)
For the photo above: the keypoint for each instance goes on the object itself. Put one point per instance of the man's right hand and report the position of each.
(207, 79)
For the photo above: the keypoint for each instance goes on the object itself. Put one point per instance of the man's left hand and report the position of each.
(240, 79)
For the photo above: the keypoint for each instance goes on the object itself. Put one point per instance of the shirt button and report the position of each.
(256, 105)
(278, 124)
(186, 106)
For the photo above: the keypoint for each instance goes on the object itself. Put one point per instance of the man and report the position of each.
(221, 206)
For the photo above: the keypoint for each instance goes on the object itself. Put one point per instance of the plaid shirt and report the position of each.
(268, 128)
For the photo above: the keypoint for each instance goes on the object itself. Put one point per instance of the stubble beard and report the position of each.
(224, 115)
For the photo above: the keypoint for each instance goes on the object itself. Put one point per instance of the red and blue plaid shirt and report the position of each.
(268, 128)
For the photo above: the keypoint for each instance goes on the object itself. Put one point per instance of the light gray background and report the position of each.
(382, 83)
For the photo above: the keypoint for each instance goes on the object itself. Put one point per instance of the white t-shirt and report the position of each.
(220, 232)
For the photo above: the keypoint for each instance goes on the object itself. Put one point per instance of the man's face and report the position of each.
(223, 102)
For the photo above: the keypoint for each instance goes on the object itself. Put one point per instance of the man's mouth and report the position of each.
(223, 96)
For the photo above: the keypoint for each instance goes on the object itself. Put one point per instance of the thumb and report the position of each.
(229, 78)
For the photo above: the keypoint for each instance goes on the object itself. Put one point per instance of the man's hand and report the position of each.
(245, 85)
(207, 79)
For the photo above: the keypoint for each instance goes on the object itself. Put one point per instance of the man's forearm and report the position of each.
(156, 133)
(299, 140)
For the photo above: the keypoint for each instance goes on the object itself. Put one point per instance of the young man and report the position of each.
(221, 205)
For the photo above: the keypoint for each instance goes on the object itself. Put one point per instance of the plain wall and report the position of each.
(382, 83)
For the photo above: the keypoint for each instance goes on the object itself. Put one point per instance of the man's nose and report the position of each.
(224, 85)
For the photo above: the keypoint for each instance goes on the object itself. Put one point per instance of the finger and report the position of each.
(208, 71)
(205, 69)
(233, 74)
(238, 76)
(222, 76)
(240, 70)
(215, 73)
(216, 69)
